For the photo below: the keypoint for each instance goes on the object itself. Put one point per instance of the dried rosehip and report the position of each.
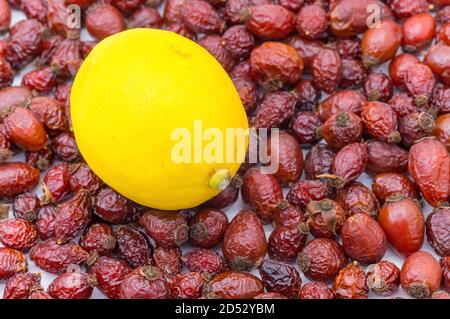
(72, 285)
(429, 167)
(304, 127)
(399, 66)
(17, 233)
(49, 112)
(269, 21)
(167, 229)
(286, 242)
(445, 264)
(341, 101)
(420, 275)
(378, 87)
(26, 206)
(437, 227)
(201, 17)
(357, 198)
(73, 216)
(11, 262)
(316, 290)
(113, 207)
(280, 278)
(326, 70)
(348, 164)
(82, 3)
(312, 21)
(103, 20)
(349, 17)
(214, 45)
(385, 157)
(208, 227)
(350, 283)
(109, 273)
(82, 177)
(145, 17)
(133, 247)
(381, 121)
(437, 59)
(226, 197)
(5, 15)
(304, 191)
(418, 32)
(324, 218)
(67, 58)
(5, 148)
(46, 221)
(49, 48)
(380, 44)
(6, 73)
(187, 286)
(415, 126)
(21, 285)
(342, 129)
(54, 258)
(204, 261)
(275, 64)
(407, 8)
(233, 285)
(349, 47)
(383, 278)
(41, 80)
(56, 182)
(321, 259)
(307, 95)
(168, 260)
(58, 17)
(65, 147)
(248, 93)
(306, 49)
(403, 222)
(353, 73)
(287, 215)
(25, 42)
(262, 192)
(244, 244)
(127, 5)
(387, 185)
(402, 104)
(145, 282)
(99, 238)
(442, 130)
(17, 178)
(172, 11)
(444, 33)
(440, 99)
(318, 161)
(234, 8)
(419, 83)
(39, 294)
(24, 129)
(239, 41)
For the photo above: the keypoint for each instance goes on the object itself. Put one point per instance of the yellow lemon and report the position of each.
(151, 113)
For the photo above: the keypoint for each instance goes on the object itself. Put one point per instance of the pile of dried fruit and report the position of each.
(281, 57)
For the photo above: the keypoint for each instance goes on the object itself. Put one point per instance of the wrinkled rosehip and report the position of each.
(349, 48)
(444, 33)
(403, 223)
(385, 157)
(420, 275)
(172, 11)
(244, 244)
(307, 95)
(287, 215)
(312, 21)
(324, 218)
(6, 73)
(383, 278)
(239, 41)
(113, 207)
(56, 182)
(286, 242)
(341, 101)
(316, 290)
(445, 264)
(248, 93)
(104, 20)
(418, 32)
(26, 206)
(326, 70)
(357, 198)
(99, 238)
(306, 49)
(437, 59)
(21, 285)
(41, 80)
(380, 121)
(49, 112)
(201, 17)
(17, 178)
(399, 66)
(233, 9)
(72, 285)
(54, 258)
(388, 185)
(280, 278)
(440, 99)
(187, 286)
(65, 147)
(304, 191)
(82, 177)
(270, 295)
(233, 285)
(407, 8)
(145, 282)
(350, 283)
(353, 73)
(415, 126)
(270, 21)
(429, 167)
(5, 148)
(127, 5)
(378, 87)
(442, 130)
(304, 127)
(11, 262)
(133, 246)
(437, 228)
(214, 45)
(419, 83)
(17, 233)
(321, 259)
(168, 260)
(318, 161)
(204, 261)
(402, 104)
(46, 221)
(342, 129)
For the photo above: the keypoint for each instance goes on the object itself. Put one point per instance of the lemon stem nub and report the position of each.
(220, 179)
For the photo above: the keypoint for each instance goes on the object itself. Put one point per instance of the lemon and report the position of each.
(136, 101)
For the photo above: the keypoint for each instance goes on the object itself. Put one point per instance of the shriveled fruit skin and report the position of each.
(286, 242)
(262, 192)
(110, 273)
(207, 228)
(419, 83)
(316, 290)
(275, 109)
(383, 278)
(11, 262)
(350, 283)
(357, 198)
(420, 275)
(302, 192)
(418, 31)
(98, 237)
(270, 295)
(399, 66)
(83, 177)
(381, 121)
(133, 246)
(187, 286)
(429, 166)
(363, 239)
(72, 285)
(325, 218)
(281, 278)
(201, 17)
(168, 260)
(386, 185)
(145, 282)
(113, 207)
(104, 20)
(40, 294)
(321, 259)
(45, 222)
(244, 244)
(17, 233)
(16, 178)
(304, 126)
(288, 216)
(204, 261)
(233, 285)
(385, 157)
(318, 161)
(54, 258)
(270, 21)
(438, 230)
(445, 264)
(21, 285)
(327, 70)
(341, 101)
(56, 183)
(213, 44)
(342, 129)
(403, 222)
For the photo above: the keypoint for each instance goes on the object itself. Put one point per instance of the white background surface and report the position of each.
(47, 278)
